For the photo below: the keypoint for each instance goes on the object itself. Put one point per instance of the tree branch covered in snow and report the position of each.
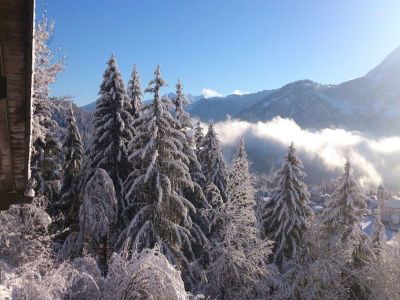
(147, 275)
(24, 238)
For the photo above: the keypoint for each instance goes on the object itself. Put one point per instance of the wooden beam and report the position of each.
(16, 55)
(6, 168)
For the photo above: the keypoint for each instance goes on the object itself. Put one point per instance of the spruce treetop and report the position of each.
(198, 135)
(156, 84)
(112, 129)
(135, 94)
(347, 204)
(180, 100)
(212, 161)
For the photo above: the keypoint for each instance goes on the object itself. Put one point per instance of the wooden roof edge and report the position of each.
(30, 58)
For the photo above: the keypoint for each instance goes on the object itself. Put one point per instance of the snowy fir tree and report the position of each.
(346, 206)
(212, 161)
(185, 125)
(316, 271)
(46, 149)
(112, 130)
(73, 152)
(381, 275)
(198, 136)
(135, 93)
(157, 210)
(180, 102)
(341, 224)
(286, 215)
(194, 194)
(97, 218)
(378, 237)
(239, 182)
(238, 266)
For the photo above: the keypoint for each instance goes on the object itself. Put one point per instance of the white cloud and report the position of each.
(209, 93)
(386, 145)
(374, 160)
(238, 92)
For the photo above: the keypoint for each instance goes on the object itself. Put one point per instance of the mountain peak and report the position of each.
(302, 84)
(388, 69)
(393, 57)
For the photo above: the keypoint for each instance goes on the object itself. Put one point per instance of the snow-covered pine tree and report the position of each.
(156, 209)
(195, 195)
(382, 275)
(198, 135)
(73, 151)
(346, 206)
(97, 218)
(112, 130)
(341, 224)
(185, 125)
(316, 271)
(46, 149)
(212, 161)
(378, 237)
(239, 181)
(215, 201)
(238, 266)
(135, 93)
(180, 102)
(286, 215)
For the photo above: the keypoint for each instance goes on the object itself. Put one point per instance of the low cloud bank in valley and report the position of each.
(323, 152)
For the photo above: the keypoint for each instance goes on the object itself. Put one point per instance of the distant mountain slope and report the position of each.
(370, 103)
(299, 101)
(90, 107)
(82, 116)
(218, 108)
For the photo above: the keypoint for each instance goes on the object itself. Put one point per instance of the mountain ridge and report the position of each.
(370, 103)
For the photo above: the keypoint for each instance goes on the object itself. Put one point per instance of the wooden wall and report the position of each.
(16, 38)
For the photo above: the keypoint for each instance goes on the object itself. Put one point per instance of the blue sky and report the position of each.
(245, 45)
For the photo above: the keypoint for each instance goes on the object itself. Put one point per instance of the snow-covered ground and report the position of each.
(6, 275)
